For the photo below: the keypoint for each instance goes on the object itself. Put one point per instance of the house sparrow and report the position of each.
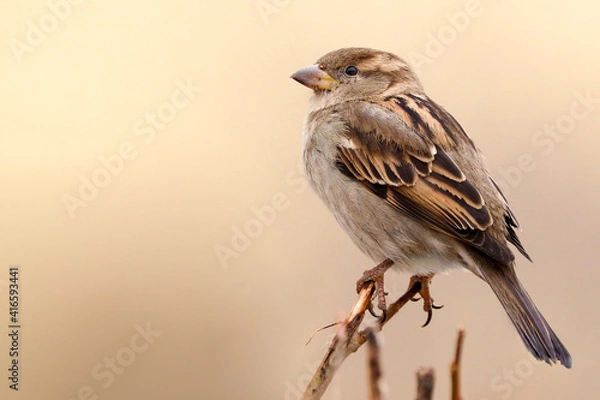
(409, 186)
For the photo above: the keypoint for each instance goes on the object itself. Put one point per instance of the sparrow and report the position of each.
(409, 186)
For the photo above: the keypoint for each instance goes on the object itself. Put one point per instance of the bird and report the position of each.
(410, 187)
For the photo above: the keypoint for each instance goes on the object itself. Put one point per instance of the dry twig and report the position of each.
(349, 339)
(425, 381)
(455, 366)
(374, 365)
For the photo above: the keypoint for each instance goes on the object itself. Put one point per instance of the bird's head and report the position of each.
(358, 73)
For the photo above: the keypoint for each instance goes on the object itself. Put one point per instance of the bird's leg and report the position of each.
(375, 275)
(428, 305)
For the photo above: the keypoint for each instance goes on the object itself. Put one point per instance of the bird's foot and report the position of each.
(428, 304)
(375, 275)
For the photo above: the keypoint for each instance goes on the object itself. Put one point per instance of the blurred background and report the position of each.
(169, 247)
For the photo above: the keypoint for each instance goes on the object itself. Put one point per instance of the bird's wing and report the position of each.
(397, 153)
(510, 222)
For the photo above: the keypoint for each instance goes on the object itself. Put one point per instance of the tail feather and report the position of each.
(535, 332)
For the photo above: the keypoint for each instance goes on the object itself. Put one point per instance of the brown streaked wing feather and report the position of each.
(416, 177)
(511, 223)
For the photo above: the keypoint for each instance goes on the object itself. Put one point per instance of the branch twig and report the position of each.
(425, 381)
(349, 339)
(373, 365)
(455, 366)
(339, 349)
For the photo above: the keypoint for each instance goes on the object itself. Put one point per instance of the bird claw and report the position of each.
(428, 320)
(380, 318)
(430, 313)
(372, 310)
(375, 275)
(428, 304)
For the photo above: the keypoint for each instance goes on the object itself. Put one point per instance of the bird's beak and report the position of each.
(315, 78)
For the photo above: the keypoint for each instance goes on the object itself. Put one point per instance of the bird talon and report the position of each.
(429, 316)
(383, 316)
(372, 311)
(428, 305)
(375, 275)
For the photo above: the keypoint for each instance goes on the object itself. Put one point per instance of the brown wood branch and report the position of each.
(455, 366)
(374, 365)
(393, 309)
(348, 339)
(425, 383)
(339, 350)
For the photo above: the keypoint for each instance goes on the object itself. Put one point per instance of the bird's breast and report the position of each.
(379, 230)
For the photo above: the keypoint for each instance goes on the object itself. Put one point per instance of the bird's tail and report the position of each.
(535, 332)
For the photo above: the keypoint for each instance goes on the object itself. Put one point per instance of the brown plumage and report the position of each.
(407, 183)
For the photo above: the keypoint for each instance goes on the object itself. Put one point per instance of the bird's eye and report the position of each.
(351, 70)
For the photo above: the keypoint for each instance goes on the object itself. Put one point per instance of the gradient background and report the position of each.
(143, 251)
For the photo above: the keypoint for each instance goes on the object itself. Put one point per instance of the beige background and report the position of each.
(142, 250)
